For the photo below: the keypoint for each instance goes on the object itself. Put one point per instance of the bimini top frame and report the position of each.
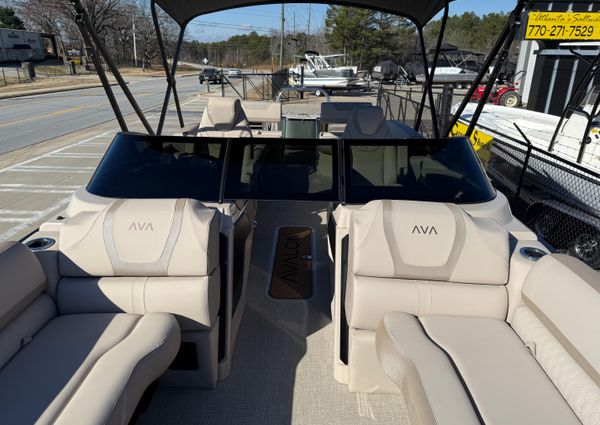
(420, 12)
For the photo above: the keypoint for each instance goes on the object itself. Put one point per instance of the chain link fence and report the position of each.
(558, 199)
(403, 102)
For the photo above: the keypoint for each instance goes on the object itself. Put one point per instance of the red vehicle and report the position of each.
(503, 95)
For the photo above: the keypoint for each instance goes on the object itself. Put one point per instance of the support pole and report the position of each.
(433, 68)
(101, 74)
(163, 112)
(509, 32)
(282, 36)
(170, 82)
(585, 79)
(85, 21)
(428, 90)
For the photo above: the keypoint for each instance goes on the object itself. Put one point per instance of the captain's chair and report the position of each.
(224, 117)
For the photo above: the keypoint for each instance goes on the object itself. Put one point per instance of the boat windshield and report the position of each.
(440, 170)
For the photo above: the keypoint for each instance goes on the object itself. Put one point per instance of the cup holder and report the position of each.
(40, 244)
(532, 253)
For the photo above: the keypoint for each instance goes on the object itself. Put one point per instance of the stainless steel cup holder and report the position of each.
(532, 253)
(40, 244)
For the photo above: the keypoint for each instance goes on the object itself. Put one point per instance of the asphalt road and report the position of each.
(29, 120)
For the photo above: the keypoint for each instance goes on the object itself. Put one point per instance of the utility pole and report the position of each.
(134, 40)
(308, 29)
(282, 36)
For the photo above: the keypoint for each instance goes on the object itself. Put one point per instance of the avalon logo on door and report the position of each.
(137, 226)
(424, 230)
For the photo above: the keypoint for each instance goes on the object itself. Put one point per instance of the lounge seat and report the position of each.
(542, 368)
(80, 368)
(224, 117)
(149, 255)
(420, 258)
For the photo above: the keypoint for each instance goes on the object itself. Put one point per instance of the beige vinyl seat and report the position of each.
(541, 368)
(420, 258)
(143, 256)
(224, 117)
(368, 122)
(72, 369)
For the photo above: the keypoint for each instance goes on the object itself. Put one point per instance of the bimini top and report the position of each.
(418, 11)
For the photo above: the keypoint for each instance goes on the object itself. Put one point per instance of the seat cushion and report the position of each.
(432, 390)
(141, 237)
(505, 382)
(195, 301)
(23, 280)
(87, 369)
(560, 321)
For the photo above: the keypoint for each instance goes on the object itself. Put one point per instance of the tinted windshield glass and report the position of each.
(283, 169)
(446, 170)
(137, 166)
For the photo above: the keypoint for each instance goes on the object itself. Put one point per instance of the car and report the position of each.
(212, 75)
(234, 73)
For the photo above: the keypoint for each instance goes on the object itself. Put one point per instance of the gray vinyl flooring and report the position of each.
(283, 364)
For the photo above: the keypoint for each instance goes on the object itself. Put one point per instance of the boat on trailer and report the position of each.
(236, 275)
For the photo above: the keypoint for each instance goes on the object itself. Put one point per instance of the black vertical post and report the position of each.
(589, 74)
(163, 112)
(101, 74)
(427, 89)
(429, 81)
(586, 135)
(165, 62)
(510, 30)
(85, 21)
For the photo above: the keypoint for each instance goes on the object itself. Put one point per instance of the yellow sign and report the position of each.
(482, 143)
(563, 26)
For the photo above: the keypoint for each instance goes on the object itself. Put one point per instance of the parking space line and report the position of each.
(35, 218)
(29, 161)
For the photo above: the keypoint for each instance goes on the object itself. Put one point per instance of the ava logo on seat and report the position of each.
(424, 230)
(138, 226)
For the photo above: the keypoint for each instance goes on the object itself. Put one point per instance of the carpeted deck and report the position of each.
(283, 364)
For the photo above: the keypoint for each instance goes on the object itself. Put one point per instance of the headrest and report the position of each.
(366, 122)
(224, 113)
(564, 294)
(428, 241)
(141, 237)
(23, 280)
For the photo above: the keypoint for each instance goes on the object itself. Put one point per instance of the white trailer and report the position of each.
(26, 46)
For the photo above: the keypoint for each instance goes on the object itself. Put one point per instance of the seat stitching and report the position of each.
(80, 383)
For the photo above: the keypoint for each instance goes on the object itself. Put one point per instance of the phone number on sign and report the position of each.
(560, 31)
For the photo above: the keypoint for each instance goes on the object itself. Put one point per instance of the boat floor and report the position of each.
(283, 362)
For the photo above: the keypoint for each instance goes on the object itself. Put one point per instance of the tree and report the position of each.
(9, 19)
(367, 36)
(468, 31)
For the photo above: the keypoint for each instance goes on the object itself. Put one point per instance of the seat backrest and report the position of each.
(366, 122)
(560, 324)
(23, 280)
(339, 112)
(427, 241)
(224, 117)
(141, 237)
(262, 112)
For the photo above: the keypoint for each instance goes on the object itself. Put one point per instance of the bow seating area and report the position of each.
(445, 307)
(125, 293)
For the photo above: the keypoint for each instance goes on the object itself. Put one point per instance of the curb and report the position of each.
(52, 90)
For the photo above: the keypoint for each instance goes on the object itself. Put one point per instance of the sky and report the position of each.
(264, 19)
